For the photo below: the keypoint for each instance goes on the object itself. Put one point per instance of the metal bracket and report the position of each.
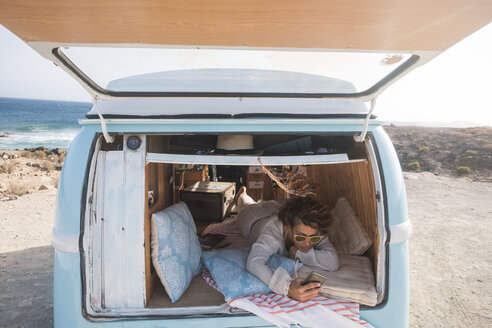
(107, 137)
(362, 136)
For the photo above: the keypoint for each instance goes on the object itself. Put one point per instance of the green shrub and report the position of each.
(39, 154)
(26, 153)
(413, 166)
(12, 166)
(471, 153)
(423, 149)
(48, 166)
(19, 188)
(467, 158)
(462, 170)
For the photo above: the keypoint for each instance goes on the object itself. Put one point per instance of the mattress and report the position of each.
(353, 281)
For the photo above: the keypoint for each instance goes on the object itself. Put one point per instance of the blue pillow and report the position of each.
(228, 268)
(176, 250)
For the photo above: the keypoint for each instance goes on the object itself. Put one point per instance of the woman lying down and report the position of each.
(296, 229)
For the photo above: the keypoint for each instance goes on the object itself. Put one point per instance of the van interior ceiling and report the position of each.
(168, 183)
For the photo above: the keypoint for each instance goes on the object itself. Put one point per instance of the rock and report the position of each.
(37, 165)
(57, 151)
(26, 302)
(5, 156)
(4, 135)
(13, 197)
(46, 150)
(43, 187)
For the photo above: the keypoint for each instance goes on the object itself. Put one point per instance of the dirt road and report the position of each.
(450, 262)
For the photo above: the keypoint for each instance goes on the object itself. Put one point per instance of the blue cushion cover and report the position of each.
(228, 268)
(176, 250)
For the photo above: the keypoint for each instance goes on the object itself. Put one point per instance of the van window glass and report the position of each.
(235, 71)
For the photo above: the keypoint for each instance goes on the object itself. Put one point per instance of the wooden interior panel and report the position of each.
(355, 182)
(334, 24)
(199, 293)
(156, 175)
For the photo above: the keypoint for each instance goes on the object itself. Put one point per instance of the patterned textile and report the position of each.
(228, 267)
(176, 250)
(283, 311)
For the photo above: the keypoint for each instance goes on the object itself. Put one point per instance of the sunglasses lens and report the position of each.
(315, 239)
(300, 239)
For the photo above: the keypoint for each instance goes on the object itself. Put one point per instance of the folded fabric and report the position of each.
(320, 311)
(228, 268)
(283, 311)
(353, 281)
(175, 248)
(347, 233)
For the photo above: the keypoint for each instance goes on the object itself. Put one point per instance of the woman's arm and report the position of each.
(279, 280)
(323, 256)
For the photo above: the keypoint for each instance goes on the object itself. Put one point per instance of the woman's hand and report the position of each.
(292, 252)
(303, 293)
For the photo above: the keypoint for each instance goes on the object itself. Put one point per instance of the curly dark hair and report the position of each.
(306, 210)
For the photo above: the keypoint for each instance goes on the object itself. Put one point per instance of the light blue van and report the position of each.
(123, 165)
(170, 79)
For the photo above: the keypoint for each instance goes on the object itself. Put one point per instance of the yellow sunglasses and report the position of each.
(313, 239)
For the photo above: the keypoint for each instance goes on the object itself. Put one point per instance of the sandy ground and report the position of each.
(450, 264)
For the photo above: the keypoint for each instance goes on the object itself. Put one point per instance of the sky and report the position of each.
(455, 86)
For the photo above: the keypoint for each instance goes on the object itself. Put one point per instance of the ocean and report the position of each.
(28, 123)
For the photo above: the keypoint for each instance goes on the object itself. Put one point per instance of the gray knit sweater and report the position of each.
(266, 235)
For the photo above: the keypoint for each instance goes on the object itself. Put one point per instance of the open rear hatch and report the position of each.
(320, 49)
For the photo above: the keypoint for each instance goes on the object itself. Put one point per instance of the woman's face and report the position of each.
(299, 231)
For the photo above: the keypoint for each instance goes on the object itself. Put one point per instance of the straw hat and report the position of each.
(235, 142)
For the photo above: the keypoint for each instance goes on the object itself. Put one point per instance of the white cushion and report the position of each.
(346, 233)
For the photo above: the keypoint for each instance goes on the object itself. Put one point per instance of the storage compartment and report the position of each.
(349, 173)
(209, 200)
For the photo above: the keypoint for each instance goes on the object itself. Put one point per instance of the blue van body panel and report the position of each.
(67, 266)
(396, 195)
(394, 312)
(70, 188)
(68, 305)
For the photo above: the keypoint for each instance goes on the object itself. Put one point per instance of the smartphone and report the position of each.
(314, 277)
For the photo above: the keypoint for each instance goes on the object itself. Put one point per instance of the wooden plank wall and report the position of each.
(355, 182)
(157, 179)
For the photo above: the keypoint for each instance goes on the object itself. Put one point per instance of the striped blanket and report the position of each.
(283, 311)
